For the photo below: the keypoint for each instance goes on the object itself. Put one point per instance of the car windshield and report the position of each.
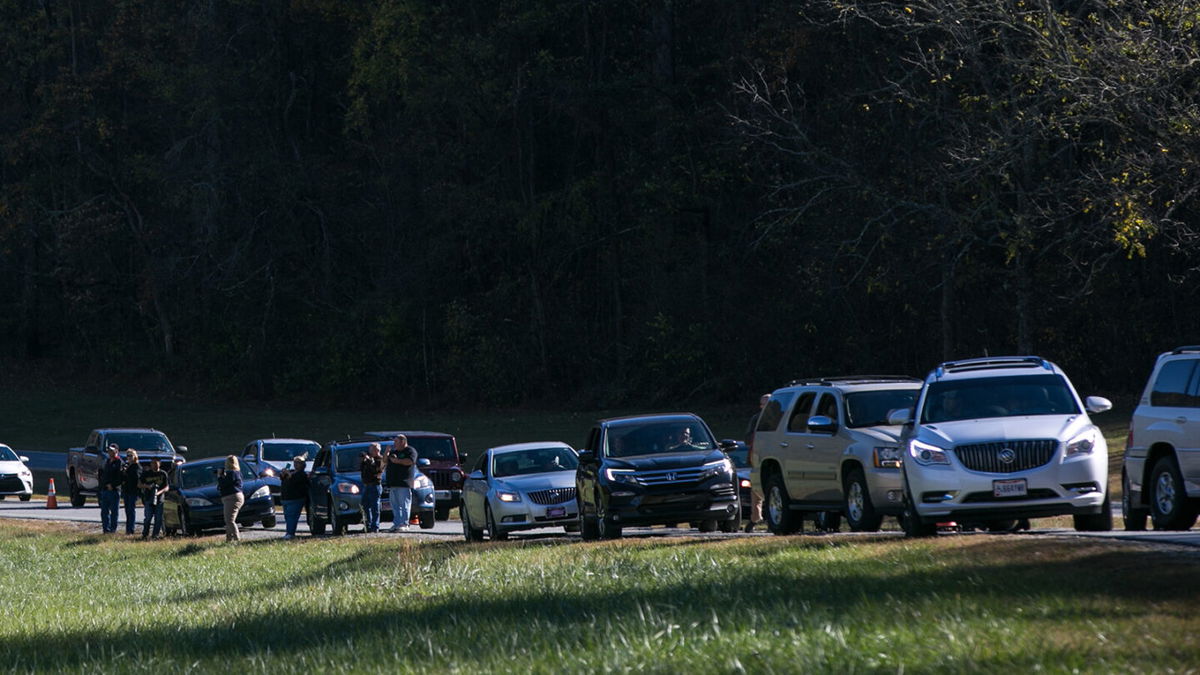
(871, 408)
(7, 455)
(142, 441)
(998, 397)
(434, 448)
(200, 475)
(285, 452)
(740, 456)
(535, 460)
(655, 438)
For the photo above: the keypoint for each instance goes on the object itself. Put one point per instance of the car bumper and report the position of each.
(16, 485)
(649, 508)
(251, 512)
(887, 490)
(451, 497)
(525, 515)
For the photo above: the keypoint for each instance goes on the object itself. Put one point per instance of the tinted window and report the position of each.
(798, 422)
(1171, 386)
(871, 408)
(433, 448)
(285, 452)
(987, 397)
(828, 407)
(772, 414)
(654, 438)
(200, 475)
(141, 441)
(348, 458)
(7, 455)
(536, 460)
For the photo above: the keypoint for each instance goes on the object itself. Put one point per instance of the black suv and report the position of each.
(654, 470)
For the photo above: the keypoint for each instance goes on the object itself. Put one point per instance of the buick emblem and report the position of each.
(1007, 455)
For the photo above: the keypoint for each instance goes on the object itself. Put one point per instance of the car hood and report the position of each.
(538, 481)
(12, 467)
(1061, 427)
(211, 491)
(680, 460)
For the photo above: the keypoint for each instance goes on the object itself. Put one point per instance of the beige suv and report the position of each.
(1160, 477)
(824, 447)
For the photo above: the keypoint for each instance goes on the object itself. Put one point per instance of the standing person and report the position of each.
(129, 488)
(112, 475)
(756, 495)
(372, 472)
(229, 484)
(401, 466)
(293, 492)
(154, 486)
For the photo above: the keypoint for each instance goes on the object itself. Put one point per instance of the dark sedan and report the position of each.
(193, 503)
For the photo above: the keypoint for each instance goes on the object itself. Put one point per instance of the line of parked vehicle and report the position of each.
(987, 443)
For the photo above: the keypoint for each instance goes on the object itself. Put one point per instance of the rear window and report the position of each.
(1174, 387)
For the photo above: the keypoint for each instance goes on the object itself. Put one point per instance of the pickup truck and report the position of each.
(83, 464)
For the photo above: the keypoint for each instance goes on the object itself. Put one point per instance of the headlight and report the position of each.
(198, 501)
(887, 458)
(621, 476)
(455, 476)
(1082, 444)
(927, 454)
(26, 474)
(506, 496)
(722, 467)
(261, 492)
(348, 488)
(268, 471)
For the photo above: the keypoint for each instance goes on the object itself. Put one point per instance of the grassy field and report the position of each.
(76, 602)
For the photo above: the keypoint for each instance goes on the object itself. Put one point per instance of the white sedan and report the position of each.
(520, 487)
(15, 477)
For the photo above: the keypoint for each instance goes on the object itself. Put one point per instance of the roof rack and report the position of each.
(850, 379)
(990, 362)
(1189, 349)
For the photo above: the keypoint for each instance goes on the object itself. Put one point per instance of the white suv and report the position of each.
(824, 446)
(1161, 472)
(998, 439)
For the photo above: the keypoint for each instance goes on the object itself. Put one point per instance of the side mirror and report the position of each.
(1097, 404)
(424, 461)
(899, 416)
(476, 475)
(727, 444)
(25, 459)
(822, 424)
(462, 457)
(181, 449)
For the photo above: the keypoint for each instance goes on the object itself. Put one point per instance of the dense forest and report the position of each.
(593, 202)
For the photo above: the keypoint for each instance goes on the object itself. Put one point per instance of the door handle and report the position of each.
(810, 446)
(1181, 420)
(783, 444)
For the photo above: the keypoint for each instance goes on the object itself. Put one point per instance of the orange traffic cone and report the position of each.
(414, 521)
(51, 500)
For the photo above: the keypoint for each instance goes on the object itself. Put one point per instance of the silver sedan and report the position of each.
(520, 487)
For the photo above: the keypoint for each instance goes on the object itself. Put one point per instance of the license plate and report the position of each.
(1010, 488)
(556, 512)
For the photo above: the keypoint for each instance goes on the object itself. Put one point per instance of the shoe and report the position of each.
(404, 528)
(289, 536)
(395, 528)
(749, 527)
(145, 537)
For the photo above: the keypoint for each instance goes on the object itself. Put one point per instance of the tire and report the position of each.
(1135, 516)
(1098, 522)
(605, 527)
(441, 512)
(26, 498)
(911, 521)
(860, 511)
(337, 526)
(828, 521)
(268, 522)
(709, 525)
(426, 519)
(317, 525)
(495, 533)
(729, 525)
(469, 532)
(185, 524)
(588, 530)
(778, 513)
(1170, 508)
(77, 498)
(998, 526)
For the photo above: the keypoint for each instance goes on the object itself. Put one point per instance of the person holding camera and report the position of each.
(229, 485)
(132, 475)
(372, 472)
(401, 471)
(153, 483)
(293, 492)
(112, 476)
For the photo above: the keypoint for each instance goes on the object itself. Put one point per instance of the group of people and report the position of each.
(124, 481)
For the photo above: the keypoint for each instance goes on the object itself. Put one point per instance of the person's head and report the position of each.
(373, 450)
(155, 465)
(131, 455)
(231, 463)
(762, 401)
(298, 462)
(400, 442)
(114, 451)
(684, 435)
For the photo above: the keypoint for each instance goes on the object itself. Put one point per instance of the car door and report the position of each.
(319, 482)
(585, 473)
(1174, 413)
(171, 501)
(821, 453)
(794, 441)
(475, 488)
(89, 466)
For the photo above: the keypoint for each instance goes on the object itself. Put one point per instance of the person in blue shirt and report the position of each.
(229, 485)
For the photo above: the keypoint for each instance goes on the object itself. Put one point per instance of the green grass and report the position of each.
(77, 602)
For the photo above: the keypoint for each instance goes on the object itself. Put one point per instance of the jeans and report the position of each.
(291, 514)
(110, 505)
(152, 513)
(233, 504)
(130, 500)
(370, 506)
(401, 499)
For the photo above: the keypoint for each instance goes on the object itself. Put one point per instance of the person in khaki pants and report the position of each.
(756, 495)
(229, 484)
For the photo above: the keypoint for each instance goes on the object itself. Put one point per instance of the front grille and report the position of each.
(554, 496)
(10, 483)
(442, 479)
(978, 497)
(986, 457)
(670, 476)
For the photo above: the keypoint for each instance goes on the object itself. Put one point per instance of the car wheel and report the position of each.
(426, 518)
(470, 533)
(1169, 505)
(911, 521)
(1135, 516)
(185, 525)
(729, 525)
(1097, 522)
(779, 515)
(26, 498)
(860, 511)
(997, 526)
(495, 533)
(708, 525)
(337, 525)
(605, 527)
(268, 522)
(441, 512)
(317, 525)
(77, 497)
(588, 531)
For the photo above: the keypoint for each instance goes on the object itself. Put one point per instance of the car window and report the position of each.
(142, 441)
(536, 460)
(7, 455)
(433, 448)
(871, 408)
(481, 461)
(988, 397)
(1171, 387)
(798, 422)
(193, 476)
(285, 452)
(772, 413)
(652, 438)
(828, 407)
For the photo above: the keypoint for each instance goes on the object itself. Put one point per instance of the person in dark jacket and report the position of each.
(401, 471)
(112, 476)
(293, 492)
(229, 485)
(372, 472)
(129, 488)
(154, 486)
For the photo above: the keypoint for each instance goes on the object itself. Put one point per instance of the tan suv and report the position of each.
(824, 447)
(1160, 477)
